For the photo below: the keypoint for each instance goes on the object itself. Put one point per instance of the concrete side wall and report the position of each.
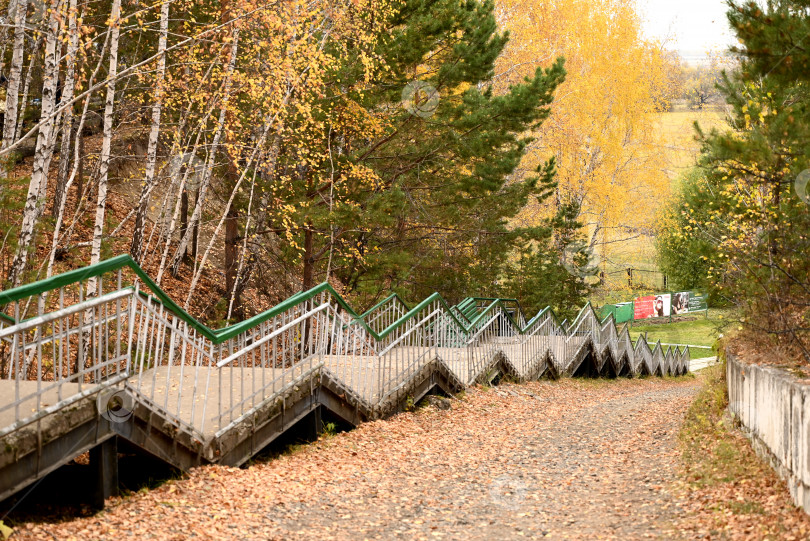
(774, 410)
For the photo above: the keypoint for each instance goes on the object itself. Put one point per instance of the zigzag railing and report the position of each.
(385, 313)
(59, 345)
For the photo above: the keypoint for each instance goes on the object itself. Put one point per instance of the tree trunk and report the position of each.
(60, 203)
(151, 153)
(243, 271)
(10, 17)
(184, 219)
(195, 233)
(80, 172)
(68, 127)
(175, 214)
(232, 261)
(68, 136)
(248, 165)
(209, 166)
(15, 74)
(44, 149)
(309, 264)
(27, 85)
(104, 159)
(309, 256)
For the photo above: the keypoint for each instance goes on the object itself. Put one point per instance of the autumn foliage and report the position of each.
(602, 129)
(260, 148)
(748, 211)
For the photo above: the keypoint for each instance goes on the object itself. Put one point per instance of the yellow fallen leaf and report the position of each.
(5, 531)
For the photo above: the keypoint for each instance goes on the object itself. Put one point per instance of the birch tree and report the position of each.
(67, 97)
(209, 166)
(44, 149)
(10, 20)
(154, 132)
(602, 129)
(104, 159)
(27, 85)
(15, 74)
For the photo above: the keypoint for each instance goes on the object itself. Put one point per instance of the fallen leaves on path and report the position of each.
(573, 459)
(568, 459)
(729, 492)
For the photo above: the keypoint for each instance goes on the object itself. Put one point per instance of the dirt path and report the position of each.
(569, 459)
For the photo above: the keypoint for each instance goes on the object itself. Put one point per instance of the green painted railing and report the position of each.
(218, 336)
(389, 298)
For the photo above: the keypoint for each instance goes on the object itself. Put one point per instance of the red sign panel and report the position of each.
(652, 306)
(643, 307)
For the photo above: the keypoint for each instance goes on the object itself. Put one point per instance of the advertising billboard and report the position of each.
(643, 307)
(669, 304)
(652, 306)
(684, 302)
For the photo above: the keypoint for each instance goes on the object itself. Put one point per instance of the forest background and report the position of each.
(243, 151)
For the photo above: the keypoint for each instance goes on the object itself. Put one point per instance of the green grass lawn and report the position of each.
(697, 332)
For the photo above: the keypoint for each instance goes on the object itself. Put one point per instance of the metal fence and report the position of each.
(59, 344)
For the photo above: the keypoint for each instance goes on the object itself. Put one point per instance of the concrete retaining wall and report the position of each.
(774, 410)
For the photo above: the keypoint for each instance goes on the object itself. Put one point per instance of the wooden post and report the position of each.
(104, 461)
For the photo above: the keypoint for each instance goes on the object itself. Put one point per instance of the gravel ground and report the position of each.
(567, 460)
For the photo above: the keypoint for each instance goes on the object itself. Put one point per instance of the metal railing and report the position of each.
(59, 344)
(56, 358)
(385, 313)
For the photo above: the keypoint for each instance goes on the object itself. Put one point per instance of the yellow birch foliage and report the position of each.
(602, 128)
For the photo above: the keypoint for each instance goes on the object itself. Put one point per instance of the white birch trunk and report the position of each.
(164, 225)
(106, 143)
(175, 215)
(67, 96)
(10, 18)
(199, 268)
(63, 182)
(39, 175)
(240, 267)
(154, 132)
(209, 166)
(27, 86)
(15, 74)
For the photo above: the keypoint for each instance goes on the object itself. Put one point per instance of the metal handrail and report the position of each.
(268, 337)
(177, 360)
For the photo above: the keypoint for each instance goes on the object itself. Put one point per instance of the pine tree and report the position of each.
(539, 277)
(761, 169)
(773, 38)
(437, 215)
